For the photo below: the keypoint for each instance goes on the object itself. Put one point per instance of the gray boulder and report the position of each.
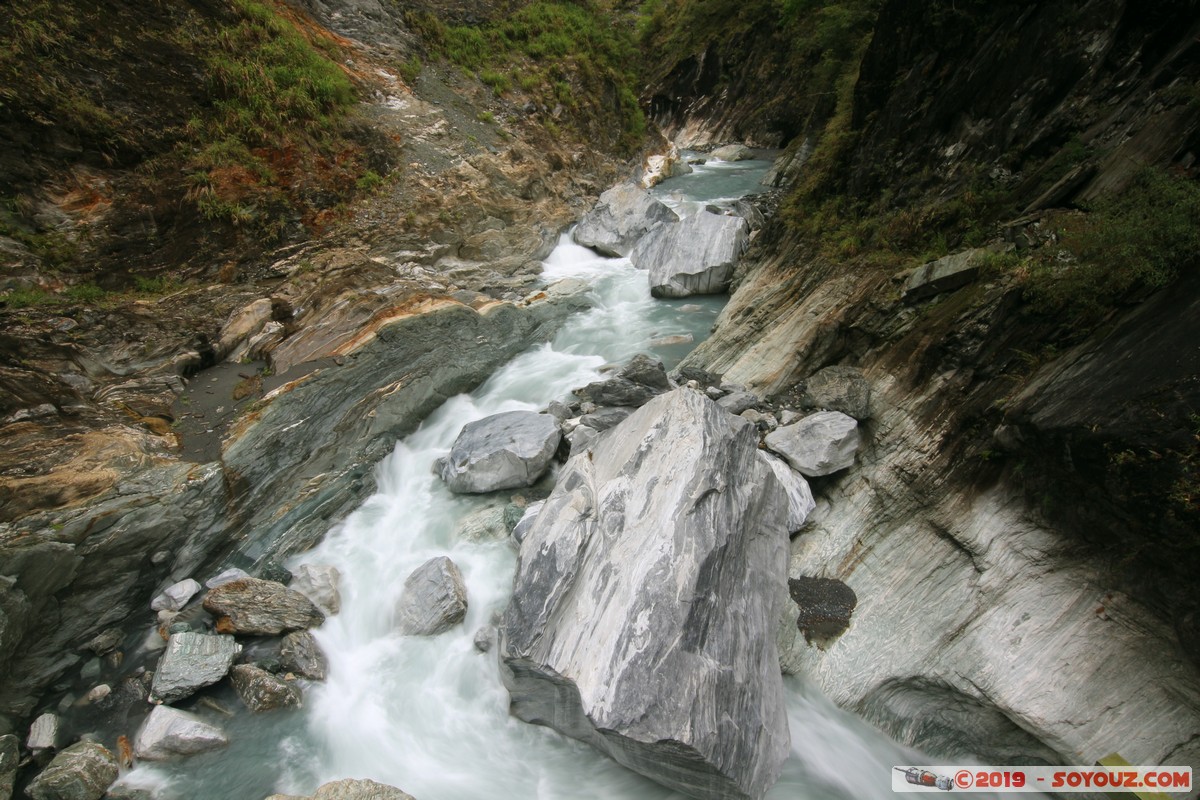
(262, 691)
(603, 419)
(10, 757)
(738, 401)
(799, 495)
(191, 662)
(625, 214)
(260, 608)
(642, 378)
(300, 654)
(319, 583)
(694, 256)
(44, 733)
(944, 275)
(351, 789)
(83, 771)
(843, 389)
(502, 451)
(176, 596)
(581, 437)
(646, 601)
(434, 599)
(169, 733)
(732, 152)
(820, 444)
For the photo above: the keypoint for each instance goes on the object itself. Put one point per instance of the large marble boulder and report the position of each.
(732, 152)
(83, 771)
(260, 608)
(434, 599)
(625, 213)
(170, 733)
(191, 662)
(820, 444)
(646, 599)
(694, 256)
(503, 451)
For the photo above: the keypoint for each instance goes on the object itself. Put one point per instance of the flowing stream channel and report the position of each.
(429, 714)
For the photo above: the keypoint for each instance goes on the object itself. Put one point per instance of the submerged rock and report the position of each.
(434, 599)
(732, 152)
(694, 256)
(351, 789)
(646, 599)
(820, 444)
(300, 654)
(260, 608)
(624, 215)
(191, 662)
(503, 451)
(83, 771)
(262, 691)
(319, 583)
(168, 733)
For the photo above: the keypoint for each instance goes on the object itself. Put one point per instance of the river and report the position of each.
(430, 715)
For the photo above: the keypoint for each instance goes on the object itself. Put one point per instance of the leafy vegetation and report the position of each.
(569, 54)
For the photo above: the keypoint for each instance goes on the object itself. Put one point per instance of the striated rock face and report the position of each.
(694, 256)
(502, 451)
(800, 502)
(191, 661)
(645, 602)
(83, 771)
(434, 599)
(624, 215)
(262, 691)
(169, 733)
(260, 608)
(820, 444)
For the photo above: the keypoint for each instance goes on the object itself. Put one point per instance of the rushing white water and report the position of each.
(429, 714)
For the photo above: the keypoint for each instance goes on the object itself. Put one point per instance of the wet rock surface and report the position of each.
(300, 654)
(262, 691)
(503, 451)
(260, 608)
(434, 599)
(191, 662)
(624, 215)
(352, 789)
(694, 256)
(610, 645)
(170, 733)
(83, 771)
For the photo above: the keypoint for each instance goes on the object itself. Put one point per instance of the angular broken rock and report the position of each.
(694, 256)
(820, 444)
(625, 213)
(191, 662)
(168, 733)
(301, 655)
(502, 451)
(843, 389)
(799, 493)
(638, 381)
(646, 601)
(83, 771)
(434, 599)
(44, 733)
(262, 691)
(175, 596)
(260, 608)
(944, 275)
(319, 583)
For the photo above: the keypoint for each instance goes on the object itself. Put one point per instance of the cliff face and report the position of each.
(1021, 531)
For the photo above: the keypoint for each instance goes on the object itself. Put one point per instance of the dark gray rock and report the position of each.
(522, 527)
(737, 402)
(175, 596)
(10, 757)
(191, 662)
(319, 583)
(262, 691)
(624, 215)
(83, 771)
(434, 599)
(502, 451)
(747, 209)
(843, 389)
(260, 608)
(169, 733)
(272, 570)
(646, 601)
(820, 444)
(641, 379)
(944, 275)
(694, 256)
(301, 655)
(602, 419)
(824, 606)
(485, 637)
